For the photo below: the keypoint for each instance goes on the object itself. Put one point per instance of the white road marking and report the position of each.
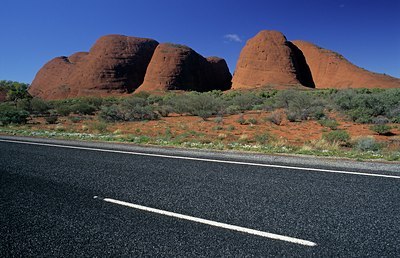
(206, 160)
(212, 223)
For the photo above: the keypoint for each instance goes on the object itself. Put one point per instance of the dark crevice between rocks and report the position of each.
(303, 71)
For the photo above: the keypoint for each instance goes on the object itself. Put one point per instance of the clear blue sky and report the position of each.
(366, 32)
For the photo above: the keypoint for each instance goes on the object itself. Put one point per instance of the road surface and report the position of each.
(72, 199)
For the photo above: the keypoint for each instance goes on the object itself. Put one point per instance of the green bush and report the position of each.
(132, 109)
(179, 103)
(394, 114)
(13, 115)
(300, 105)
(83, 108)
(52, 119)
(75, 119)
(252, 121)
(164, 110)
(242, 101)
(99, 126)
(203, 105)
(219, 120)
(95, 102)
(276, 117)
(39, 106)
(230, 128)
(330, 123)
(367, 144)
(339, 136)
(364, 105)
(291, 116)
(241, 120)
(381, 129)
(380, 120)
(262, 138)
(111, 114)
(63, 109)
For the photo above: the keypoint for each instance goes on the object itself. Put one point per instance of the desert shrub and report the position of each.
(155, 99)
(112, 113)
(98, 126)
(51, 119)
(95, 102)
(244, 100)
(232, 109)
(16, 91)
(344, 99)
(142, 95)
(339, 136)
(276, 117)
(300, 105)
(241, 120)
(381, 129)
(179, 103)
(13, 115)
(390, 98)
(291, 116)
(359, 115)
(39, 106)
(218, 128)
(394, 114)
(24, 104)
(75, 119)
(132, 109)
(367, 144)
(164, 110)
(262, 138)
(285, 97)
(380, 120)
(330, 123)
(139, 113)
(252, 121)
(83, 108)
(363, 105)
(62, 109)
(219, 120)
(203, 105)
(230, 128)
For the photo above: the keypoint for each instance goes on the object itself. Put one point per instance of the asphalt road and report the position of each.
(47, 204)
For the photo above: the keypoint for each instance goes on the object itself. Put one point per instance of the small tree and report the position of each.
(17, 91)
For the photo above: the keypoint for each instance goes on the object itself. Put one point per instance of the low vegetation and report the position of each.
(378, 109)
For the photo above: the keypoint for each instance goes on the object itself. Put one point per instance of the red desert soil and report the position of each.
(230, 130)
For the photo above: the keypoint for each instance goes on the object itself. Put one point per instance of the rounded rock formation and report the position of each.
(268, 59)
(178, 67)
(53, 79)
(331, 70)
(116, 64)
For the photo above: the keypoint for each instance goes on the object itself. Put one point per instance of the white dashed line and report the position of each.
(212, 223)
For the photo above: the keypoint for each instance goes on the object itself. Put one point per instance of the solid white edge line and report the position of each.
(212, 223)
(204, 159)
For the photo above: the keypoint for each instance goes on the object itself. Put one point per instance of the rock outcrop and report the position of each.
(119, 64)
(178, 67)
(268, 59)
(331, 70)
(53, 80)
(116, 64)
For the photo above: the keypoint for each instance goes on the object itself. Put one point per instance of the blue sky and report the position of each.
(34, 31)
